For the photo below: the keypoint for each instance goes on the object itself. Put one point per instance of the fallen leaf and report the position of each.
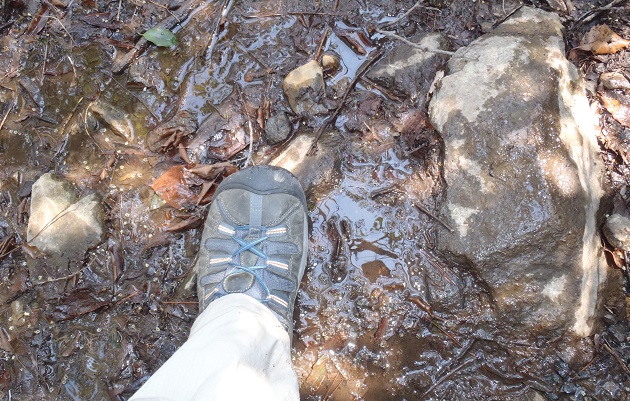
(211, 171)
(78, 303)
(173, 187)
(159, 239)
(602, 40)
(5, 341)
(619, 111)
(160, 37)
(411, 122)
(185, 225)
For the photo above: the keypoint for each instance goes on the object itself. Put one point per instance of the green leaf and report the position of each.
(160, 37)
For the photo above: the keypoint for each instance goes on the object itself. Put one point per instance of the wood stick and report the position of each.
(414, 45)
(167, 23)
(418, 4)
(434, 217)
(362, 70)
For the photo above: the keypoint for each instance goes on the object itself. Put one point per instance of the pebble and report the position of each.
(614, 80)
(617, 231)
(304, 89)
(277, 128)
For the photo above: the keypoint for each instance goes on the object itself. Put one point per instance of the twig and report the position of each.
(418, 4)
(180, 302)
(381, 191)
(169, 22)
(251, 128)
(591, 15)
(69, 276)
(446, 376)
(321, 44)
(446, 333)
(10, 105)
(433, 262)
(212, 42)
(389, 94)
(146, 106)
(360, 72)
(62, 131)
(119, 7)
(242, 47)
(414, 45)
(297, 13)
(166, 9)
(74, 44)
(617, 357)
(85, 124)
(434, 217)
(41, 81)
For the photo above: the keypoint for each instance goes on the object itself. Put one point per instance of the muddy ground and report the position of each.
(380, 315)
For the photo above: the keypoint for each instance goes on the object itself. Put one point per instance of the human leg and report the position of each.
(250, 264)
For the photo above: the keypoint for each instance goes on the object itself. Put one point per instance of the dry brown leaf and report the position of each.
(211, 171)
(619, 111)
(602, 40)
(185, 225)
(173, 187)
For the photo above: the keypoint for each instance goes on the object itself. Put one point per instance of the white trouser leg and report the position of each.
(237, 350)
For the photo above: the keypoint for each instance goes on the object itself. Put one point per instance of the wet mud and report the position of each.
(380, 315)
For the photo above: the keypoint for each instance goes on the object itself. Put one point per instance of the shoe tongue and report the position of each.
(238, 282)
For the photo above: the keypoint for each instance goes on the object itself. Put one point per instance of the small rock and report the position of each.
(145, 72)
(304, 89)
(617, 231)
(614, 80)
(277, 128)
(330, 63)
(114, 119)
(62, 227)
(310, 170)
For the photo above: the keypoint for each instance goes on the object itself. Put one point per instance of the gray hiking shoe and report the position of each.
(255, 240)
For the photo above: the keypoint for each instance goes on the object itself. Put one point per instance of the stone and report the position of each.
(614, 80)
(305, 90)
(62, 227)
(277, 128)
(409, 71)
(117, 121)
(617, 231)
(330, 63)
(145, 72)
(310, 170)
(524, 177)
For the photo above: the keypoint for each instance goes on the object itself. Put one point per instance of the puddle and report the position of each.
(380, 315)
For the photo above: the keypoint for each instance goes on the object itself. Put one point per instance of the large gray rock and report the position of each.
(523, 174)
(62, 227)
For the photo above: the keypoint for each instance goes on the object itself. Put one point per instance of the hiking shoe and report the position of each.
(254, 240)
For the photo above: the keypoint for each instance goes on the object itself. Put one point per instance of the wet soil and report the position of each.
(380, 315)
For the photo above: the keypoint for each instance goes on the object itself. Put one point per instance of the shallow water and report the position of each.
(380, 315)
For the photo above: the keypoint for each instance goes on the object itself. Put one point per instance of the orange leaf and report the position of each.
(618, 110)
(172, 186)
(602, 40)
